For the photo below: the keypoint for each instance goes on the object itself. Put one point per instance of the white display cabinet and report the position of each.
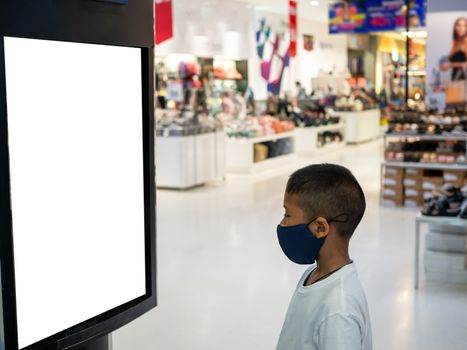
(183, 162)
(361, 126)
(240, 154)
(306, 141)
(439, 265)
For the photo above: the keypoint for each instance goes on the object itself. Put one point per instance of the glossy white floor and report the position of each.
(224, 283)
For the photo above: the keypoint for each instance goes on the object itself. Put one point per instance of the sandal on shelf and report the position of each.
(446, 201)
(440, 207)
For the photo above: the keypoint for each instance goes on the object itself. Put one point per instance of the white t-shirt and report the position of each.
(331, 314)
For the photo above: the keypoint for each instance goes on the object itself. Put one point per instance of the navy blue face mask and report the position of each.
(299, 244)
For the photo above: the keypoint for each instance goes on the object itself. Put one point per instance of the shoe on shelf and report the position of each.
(445, 201)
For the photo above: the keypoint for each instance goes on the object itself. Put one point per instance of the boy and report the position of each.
(323, 206)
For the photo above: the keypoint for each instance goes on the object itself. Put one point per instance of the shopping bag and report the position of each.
(456, 91)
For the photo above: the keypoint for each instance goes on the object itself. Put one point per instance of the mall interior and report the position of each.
(246, 92)
(250, 91)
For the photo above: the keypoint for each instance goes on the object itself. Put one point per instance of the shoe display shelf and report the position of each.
(444, 149)
(416, 164)
(409, 184)
(314, 140)
(361, 126)
(256, 154)
(186, 161)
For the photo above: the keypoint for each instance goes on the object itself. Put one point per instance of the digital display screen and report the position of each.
(75, 128)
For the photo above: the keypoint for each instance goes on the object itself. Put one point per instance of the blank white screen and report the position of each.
(76, 162)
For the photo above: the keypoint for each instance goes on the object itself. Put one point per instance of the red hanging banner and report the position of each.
(293, 27)
(163, 18)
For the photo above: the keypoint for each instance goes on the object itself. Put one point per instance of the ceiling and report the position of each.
(318, 12)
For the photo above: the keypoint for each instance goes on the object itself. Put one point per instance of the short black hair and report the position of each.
(330, 191)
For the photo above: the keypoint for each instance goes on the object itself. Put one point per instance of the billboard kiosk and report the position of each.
(77, 192)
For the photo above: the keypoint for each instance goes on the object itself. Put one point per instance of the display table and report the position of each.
(361, 126)
(240, 153)
(439, 220)
(307, 139)
(183, 162)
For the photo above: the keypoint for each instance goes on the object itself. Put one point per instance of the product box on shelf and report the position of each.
(389, 170)
(412, 202)
(431, 182)
(393, 201)
(392, 180)
(413, 172)
(454, 177)
(391, 192)
(413, 181)
(413, 192)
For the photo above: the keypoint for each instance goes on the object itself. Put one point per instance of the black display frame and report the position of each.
(121, 315)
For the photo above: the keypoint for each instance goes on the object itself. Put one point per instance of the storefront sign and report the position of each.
(293, 27)
(164, 22)
(357, 16)
(391, 15)
(347, 16)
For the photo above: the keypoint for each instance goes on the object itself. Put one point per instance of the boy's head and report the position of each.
(328, 192)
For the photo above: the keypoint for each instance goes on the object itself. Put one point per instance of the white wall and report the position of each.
(329, 51)
(210, 29)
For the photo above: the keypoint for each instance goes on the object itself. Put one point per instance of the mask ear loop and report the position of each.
(311, 221)
(335, 218)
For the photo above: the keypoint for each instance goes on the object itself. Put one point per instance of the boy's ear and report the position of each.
(320, 227)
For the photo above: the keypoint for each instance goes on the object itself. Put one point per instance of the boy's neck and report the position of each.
(325, 266)
(330, 261)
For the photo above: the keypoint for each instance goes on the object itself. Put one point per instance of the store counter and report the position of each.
(256, 154)
(187, 161)
(361, 126)
(316, 140)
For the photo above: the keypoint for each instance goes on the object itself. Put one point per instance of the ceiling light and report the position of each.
(314, 3)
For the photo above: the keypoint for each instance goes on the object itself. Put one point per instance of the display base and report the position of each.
(102, 343)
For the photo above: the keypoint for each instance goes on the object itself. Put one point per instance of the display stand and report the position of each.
(444, 221)
(183, 162)
(101, 343)
(306, 142)
(240, 153)
(361, 126)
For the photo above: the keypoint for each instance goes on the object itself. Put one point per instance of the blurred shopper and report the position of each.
(301, 92)
(323, 206)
